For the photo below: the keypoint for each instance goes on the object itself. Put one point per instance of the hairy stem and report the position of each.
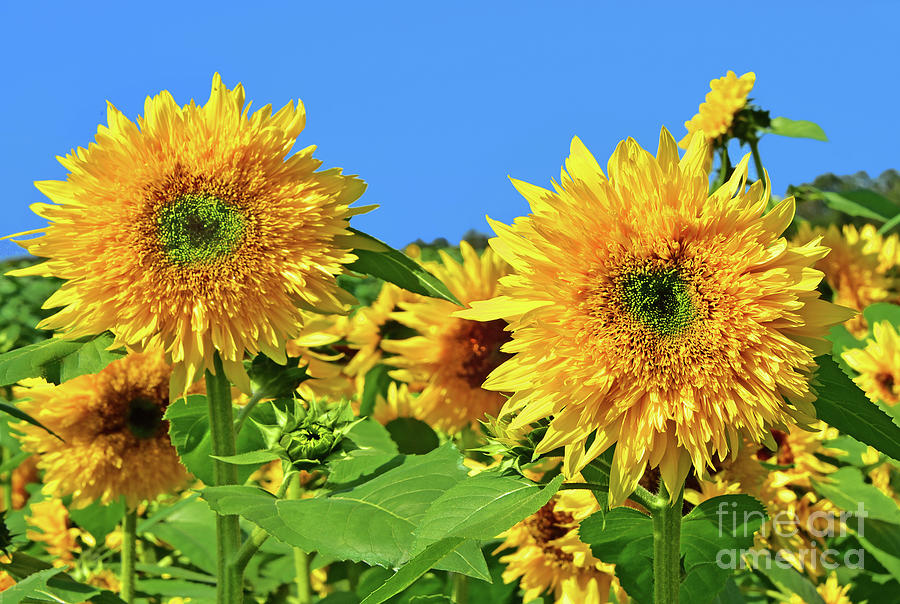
(666, 546)
(229, 588)
(301, 558)
(129, 555)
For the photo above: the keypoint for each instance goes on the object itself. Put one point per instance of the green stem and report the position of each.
(244, 413)
(229, 587)
(258, 536)
(666, 546)
(754, 149)
(7, 482)
(129, 555)
(301, 558)
(724, 168)
(460, 589)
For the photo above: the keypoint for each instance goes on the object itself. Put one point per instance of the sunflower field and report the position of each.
(663, 384)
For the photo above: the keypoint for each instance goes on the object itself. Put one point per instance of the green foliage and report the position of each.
(99, 520)
(782, 126)
(413, 436)
(377, 382)
(842, 405)
(39, 581)
(189, 431)
(21, 299)
(624, 537)
(57, 360)
(380, 260)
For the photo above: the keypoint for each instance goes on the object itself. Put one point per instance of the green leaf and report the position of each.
(192, 531)
(882, 540)
(724, 524)
(376, 452)
(19, 414)
(623, 537)
(415, 568)
(413, 436)
(189, 430)
(863, 203)
(197, 592)
(260, 456)
(271, 380)
(377, 381)
(782, 126)
(482, 506)
(380, 260)
(37, 580)
(882, 311)
(372, 522)
(848, 491)
(57, 360)
(99, 520)
(790, 581)
(843, 406)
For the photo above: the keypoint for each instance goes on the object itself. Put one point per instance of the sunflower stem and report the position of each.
(666, 546)
(229, 587)
(724, 168)
(460, 588)
(258, 536)
(754, 149)
(245, 411)
(301, 558)
(129, 555)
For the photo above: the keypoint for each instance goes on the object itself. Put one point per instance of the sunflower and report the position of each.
(326, 365)
(727, 96)
(398, 403)
(878, 364)
(370, 325)
(115, 441)
(550, 557)
(51, 519)
(193, 230)
(647, 312)
(786, 490)
(861, 268)
(452, 356)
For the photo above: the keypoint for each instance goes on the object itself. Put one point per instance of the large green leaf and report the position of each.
(376, 258)
(189, 430)
(783, 126)
(842, 405)
(717, 528)
(191, 530)
(882, 540)
(372, 522)
(848, 491)
(482, 507)
(99, 520)
(377, 381)
(413, 436)
(38, 581)
(862, 203)
(415, 568)
(623, 537)
(882, 311)
(790, 581)
(57, 360)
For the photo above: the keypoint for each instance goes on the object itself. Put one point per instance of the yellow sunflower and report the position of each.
(648, 312)
(861, 268)
(367, 328)
(550, 557)
(726, 97)
(786, 492)
(398, 403)
(452, 356)
(115, 441)
(878, 364)
(51, 519)
(327, 370)
(193, 230)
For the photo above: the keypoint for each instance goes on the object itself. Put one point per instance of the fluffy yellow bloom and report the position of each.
(327, 370)
(194, 231)
(51, 519)
(398, 403)
(786, 492)
(367, 327)
(861, 268)
(550, 557)
(727, 95)
(878, 364)
(114, 439)
(452, 356)
(648, 312)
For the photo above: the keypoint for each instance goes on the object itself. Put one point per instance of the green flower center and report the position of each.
(144, 417)
(198, 228)
(659, 298)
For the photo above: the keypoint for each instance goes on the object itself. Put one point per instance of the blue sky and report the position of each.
(435, 104)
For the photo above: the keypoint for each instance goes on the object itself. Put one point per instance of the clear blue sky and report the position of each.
(434, 104)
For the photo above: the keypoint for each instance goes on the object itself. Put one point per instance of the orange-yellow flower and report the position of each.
(51, 519)
(115, 441)
(878, 364)
(726, 97)
(647, 312)
(192, 230)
